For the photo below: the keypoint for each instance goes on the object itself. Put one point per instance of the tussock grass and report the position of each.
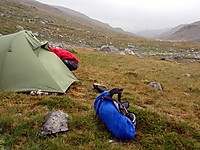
(167, 119)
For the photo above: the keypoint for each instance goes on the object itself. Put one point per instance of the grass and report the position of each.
(167, 119)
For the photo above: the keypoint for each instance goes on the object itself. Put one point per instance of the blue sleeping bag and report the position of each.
(119, 125)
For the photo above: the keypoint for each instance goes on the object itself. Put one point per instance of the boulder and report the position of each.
(19, 27)
(156, 85)
(129, 51)
(55, 122)
(107, 48)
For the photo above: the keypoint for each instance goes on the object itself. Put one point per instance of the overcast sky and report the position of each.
(136, 15)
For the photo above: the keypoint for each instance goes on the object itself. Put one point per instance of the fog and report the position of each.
(136, 15)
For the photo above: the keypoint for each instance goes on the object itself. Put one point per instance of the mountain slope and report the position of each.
(188, 32)
(53, 24)
(152, 33)
(84, 19)
(169, 32)
(61, 28)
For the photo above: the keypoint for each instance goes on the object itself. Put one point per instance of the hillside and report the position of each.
(167, 119)
(152, 33)
(83, 19)
(53, 24)
(181, 33)
(169, 32)
(64, 26)
(188, 32)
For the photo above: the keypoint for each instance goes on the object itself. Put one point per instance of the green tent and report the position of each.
(28, 65)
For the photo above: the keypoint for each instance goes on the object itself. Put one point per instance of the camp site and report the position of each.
(128, 92)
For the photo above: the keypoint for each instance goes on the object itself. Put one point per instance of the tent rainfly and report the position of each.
(28, 65)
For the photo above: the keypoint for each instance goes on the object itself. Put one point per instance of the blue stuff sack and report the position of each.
(119, 124)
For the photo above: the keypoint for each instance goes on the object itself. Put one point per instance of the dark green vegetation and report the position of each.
(167, 119)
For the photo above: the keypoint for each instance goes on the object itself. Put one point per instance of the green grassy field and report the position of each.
(167, 119)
